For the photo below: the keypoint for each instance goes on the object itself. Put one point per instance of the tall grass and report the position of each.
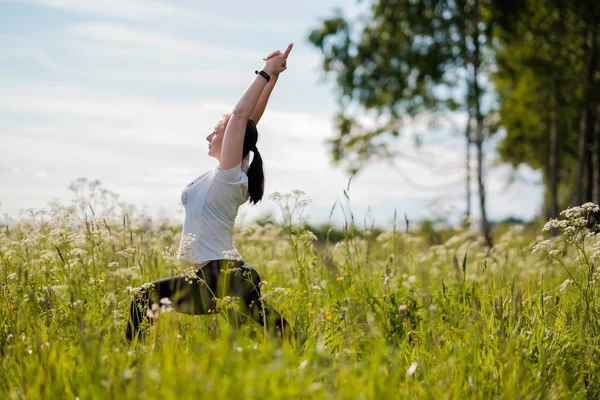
(375, 316)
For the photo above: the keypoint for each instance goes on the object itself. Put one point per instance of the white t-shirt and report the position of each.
(211, 204)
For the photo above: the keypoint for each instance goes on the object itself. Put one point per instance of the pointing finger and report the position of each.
(287, 51)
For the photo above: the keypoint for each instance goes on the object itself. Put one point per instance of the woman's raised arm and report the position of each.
(233, 141)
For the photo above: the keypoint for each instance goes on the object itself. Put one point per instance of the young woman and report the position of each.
(211, 204)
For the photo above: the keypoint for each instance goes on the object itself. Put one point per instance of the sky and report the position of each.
(125, 91)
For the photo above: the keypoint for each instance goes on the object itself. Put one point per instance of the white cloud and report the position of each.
(122, 9)
(160, 12)
(165, 43)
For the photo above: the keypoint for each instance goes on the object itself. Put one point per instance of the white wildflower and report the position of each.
(411, 370)
(128, 252)
(565, 285)
(555, 253)
(127, 373)
(186, 244)
(543, 246)
(166, 305)
(402, 310)
(310, 236)
(168, 254)
(232, 255)
(153, 311)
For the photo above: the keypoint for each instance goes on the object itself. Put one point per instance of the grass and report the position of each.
(376, 315)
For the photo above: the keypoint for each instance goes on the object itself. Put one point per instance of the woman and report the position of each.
(211, 204)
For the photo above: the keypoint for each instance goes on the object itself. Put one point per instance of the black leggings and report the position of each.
(216, 280)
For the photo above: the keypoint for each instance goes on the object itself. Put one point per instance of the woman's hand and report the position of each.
(276, 62)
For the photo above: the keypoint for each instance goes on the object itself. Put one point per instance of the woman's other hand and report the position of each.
(276, 62)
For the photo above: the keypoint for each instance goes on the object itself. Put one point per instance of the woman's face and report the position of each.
(215, 140)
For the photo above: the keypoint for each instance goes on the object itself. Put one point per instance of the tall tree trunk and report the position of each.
(554, 166)
(553, 161)
(485, 227)
(584, 174)
(597, 152)
(589, 156)
(468, 163)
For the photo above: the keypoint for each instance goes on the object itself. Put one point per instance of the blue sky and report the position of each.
(125, 91)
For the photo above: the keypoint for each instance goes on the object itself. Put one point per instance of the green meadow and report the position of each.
(401, 313)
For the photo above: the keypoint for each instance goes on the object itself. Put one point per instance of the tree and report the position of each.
(407, 58)
(547, 83)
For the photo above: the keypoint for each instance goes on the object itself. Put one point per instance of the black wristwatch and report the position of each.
(263, 74)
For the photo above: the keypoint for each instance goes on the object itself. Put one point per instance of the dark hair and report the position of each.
(256, 176)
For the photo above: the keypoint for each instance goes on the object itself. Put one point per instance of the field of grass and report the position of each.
(376, 315)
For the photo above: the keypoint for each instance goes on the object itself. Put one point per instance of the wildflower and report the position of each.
(186, 244)
(555, 253)
(232, 255)
(543, 246)
(154, 311)
(168, 255)
(432, 309)
(339, 278)
(411, 370)
(166, 305)
(298, 193)
(402, 310)
(126, 252)
(276, 196)
(189, 275)
(595, 252)
(310, 236)
(127, 373)
(147, 285)
(564, 285)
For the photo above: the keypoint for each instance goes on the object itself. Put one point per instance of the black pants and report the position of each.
(216, 280)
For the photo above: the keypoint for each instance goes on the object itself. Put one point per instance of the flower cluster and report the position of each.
(165, 306)
(187, 241)
(575, 222)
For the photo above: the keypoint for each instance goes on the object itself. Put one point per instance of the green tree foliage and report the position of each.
(402, 59)
(547, 78)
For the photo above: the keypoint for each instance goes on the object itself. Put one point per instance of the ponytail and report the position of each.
(256, 176)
